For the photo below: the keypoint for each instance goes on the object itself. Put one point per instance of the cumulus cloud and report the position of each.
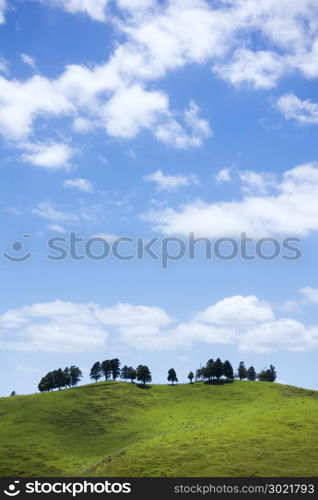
(237, 310)
(67, 327)
(95, 9)
(79, 183)
(310, 295)
(223, 175)
(290, 208)
(22, 102)
(50, 155)
(293, 108)
(258, 69)
(247, 323)
(157, 38)
(170, 182)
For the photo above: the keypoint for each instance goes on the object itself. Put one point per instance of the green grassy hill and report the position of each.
(117, 429)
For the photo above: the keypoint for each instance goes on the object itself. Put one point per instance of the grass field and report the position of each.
(118, 429)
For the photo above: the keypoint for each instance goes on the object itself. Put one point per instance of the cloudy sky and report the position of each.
(157, 119)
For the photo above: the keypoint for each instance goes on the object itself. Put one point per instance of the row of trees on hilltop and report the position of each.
(110, 369)
(214, 370)
(58, 379)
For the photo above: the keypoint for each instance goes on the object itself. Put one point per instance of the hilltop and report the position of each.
(118, 429)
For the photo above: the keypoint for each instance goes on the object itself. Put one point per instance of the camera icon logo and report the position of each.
(13, 491)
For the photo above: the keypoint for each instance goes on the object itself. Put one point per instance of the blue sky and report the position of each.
(149, 119)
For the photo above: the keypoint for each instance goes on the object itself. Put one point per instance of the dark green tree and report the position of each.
(67, 377)
(131, 374)
(267, 375)
(272, 374)
(143, 374)
(228, 370)
(241, 371)
(251, 373)
(76, 375)
(115, 368)
(124, 373)
(218, 369)
(207, 371)
(60, 379)
(107, 369)
(172, 376)
(96, 371)
(191, 377)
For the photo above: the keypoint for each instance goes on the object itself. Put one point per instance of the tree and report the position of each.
(115, 368)
(47, 383)
(242, 372)
(267, 375)
(124, 373)
(207, 371)
(60, 378)
(67, 377)
(218, 369)
(251, 373)
(131, 374)
(96, 371)
(191, 377)
(107, 369)
(228, 370)
(13, 393)
(76, 375)
(272, 373)
(172, 376)
(143, 374)
(199, 374)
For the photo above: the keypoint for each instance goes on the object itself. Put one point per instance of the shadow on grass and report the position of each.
(143, 386)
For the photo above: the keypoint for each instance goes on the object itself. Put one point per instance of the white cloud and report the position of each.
(293, 108)
(291, 209)
(196, 131)
(4, 66)
(57, 228)
(170, 182)
(159, 37)
(3, 7)
(132, 109)
(284, 334)
(96, 9)
(22, 102)
(110, 238)
(257, 182)
(237, 311)
(260, 70)
(223, 175)
(310, 295)
(81, 184)
(48, 210)
(67, 327)
(29, 60)
(50, 155)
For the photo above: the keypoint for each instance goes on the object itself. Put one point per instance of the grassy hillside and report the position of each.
(114, 429)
